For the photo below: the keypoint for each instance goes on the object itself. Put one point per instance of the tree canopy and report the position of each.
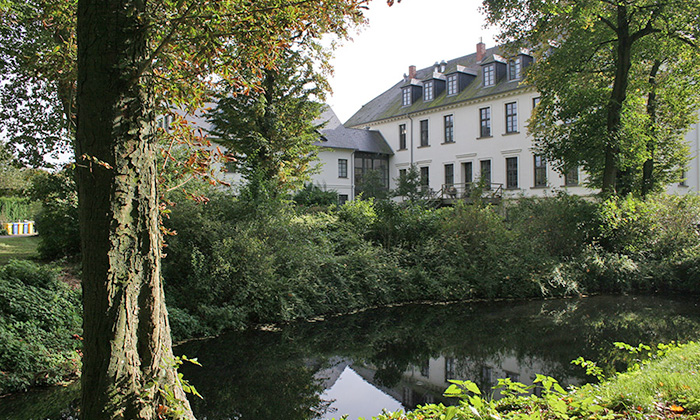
(135, 59)
(617, 82)
(270, 131)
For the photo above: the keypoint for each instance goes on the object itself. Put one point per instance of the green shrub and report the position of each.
(15, 209)
(234, 262)
(57, 222)
(313, 195)
(39, 317)
(557, 226)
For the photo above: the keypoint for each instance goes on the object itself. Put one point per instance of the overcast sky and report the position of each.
(413, 32)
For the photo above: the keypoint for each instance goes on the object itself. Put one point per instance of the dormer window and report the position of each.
(428, 90)
(489, 75)
(452, 85)
(406, 97)
(515, 66)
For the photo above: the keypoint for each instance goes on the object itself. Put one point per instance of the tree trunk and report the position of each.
(128, 359)
(648, 167)
(623, 63)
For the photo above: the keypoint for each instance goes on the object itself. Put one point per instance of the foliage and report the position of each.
(409, 185)
(313, 195)
(617, 89)
(14, 209)
(57, 221)
(14, 180)
(273, 262)
(560, 226)
(372, 185)
(271, 131)
(40, 327)
(38, 56)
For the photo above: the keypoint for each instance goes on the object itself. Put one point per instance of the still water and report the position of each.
(397, 358)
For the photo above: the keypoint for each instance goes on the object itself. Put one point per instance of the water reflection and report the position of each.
(406, 355)
(395, 357)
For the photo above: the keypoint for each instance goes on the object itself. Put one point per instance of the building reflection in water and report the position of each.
(351, 385)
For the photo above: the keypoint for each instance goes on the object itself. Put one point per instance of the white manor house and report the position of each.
(459, 121)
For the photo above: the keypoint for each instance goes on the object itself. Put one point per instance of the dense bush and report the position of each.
(313, 195)
(39, 322)
(15, 209)
(235, 262)
(57, 222)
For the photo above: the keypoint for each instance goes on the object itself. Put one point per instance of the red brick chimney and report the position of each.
(480, 50)
(411, 72)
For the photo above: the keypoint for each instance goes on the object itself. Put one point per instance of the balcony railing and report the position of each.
(471, 190)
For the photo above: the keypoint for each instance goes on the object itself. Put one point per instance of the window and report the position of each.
(467, 173)
(402, 137)
(403, 173)
(684, 179)
(342, 199)
(406, 95)
(486, 174)
(342, 168)
(371, 169)
(449, 128)
(535, 101)
(513, 376)
(449, 174)
(428, 91)
(514, 68)
(452, 85)
(489, 76)
(424, 141)
(571, 177)
(512, 173)
(425, 176)
(512, 117)
(425, 368)
(450, 368)
(540, 171)
(485, 122)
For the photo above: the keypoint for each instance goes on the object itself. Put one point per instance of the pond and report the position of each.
(400, 357)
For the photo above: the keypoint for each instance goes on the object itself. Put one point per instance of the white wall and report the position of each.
(692, 180)
(468, 147)
(328, 178)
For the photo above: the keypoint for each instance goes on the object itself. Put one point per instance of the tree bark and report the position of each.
(623, 63)
(648, 167)
(128, 360)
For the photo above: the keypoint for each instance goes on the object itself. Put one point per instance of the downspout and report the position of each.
(351, 170)
(411, 119)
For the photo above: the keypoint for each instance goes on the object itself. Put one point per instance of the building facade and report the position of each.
(463, 124)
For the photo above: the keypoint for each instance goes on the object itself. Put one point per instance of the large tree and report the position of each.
(134, 56)
(607, 71)
(37, 67)
(270, 132)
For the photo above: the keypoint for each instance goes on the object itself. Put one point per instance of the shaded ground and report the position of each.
(18, 247)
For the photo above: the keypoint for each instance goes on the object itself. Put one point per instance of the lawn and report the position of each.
(18, 247)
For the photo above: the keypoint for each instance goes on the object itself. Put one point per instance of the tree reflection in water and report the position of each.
(409, 352)
(406, 352)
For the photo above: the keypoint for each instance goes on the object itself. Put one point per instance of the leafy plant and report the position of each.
(40, 327)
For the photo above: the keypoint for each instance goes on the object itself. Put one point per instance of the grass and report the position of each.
(670, 385)
(19, 248)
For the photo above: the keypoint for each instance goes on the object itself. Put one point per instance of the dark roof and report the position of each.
(336, 136)
(389, 105)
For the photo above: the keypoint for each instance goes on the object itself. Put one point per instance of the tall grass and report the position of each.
(15, 209)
